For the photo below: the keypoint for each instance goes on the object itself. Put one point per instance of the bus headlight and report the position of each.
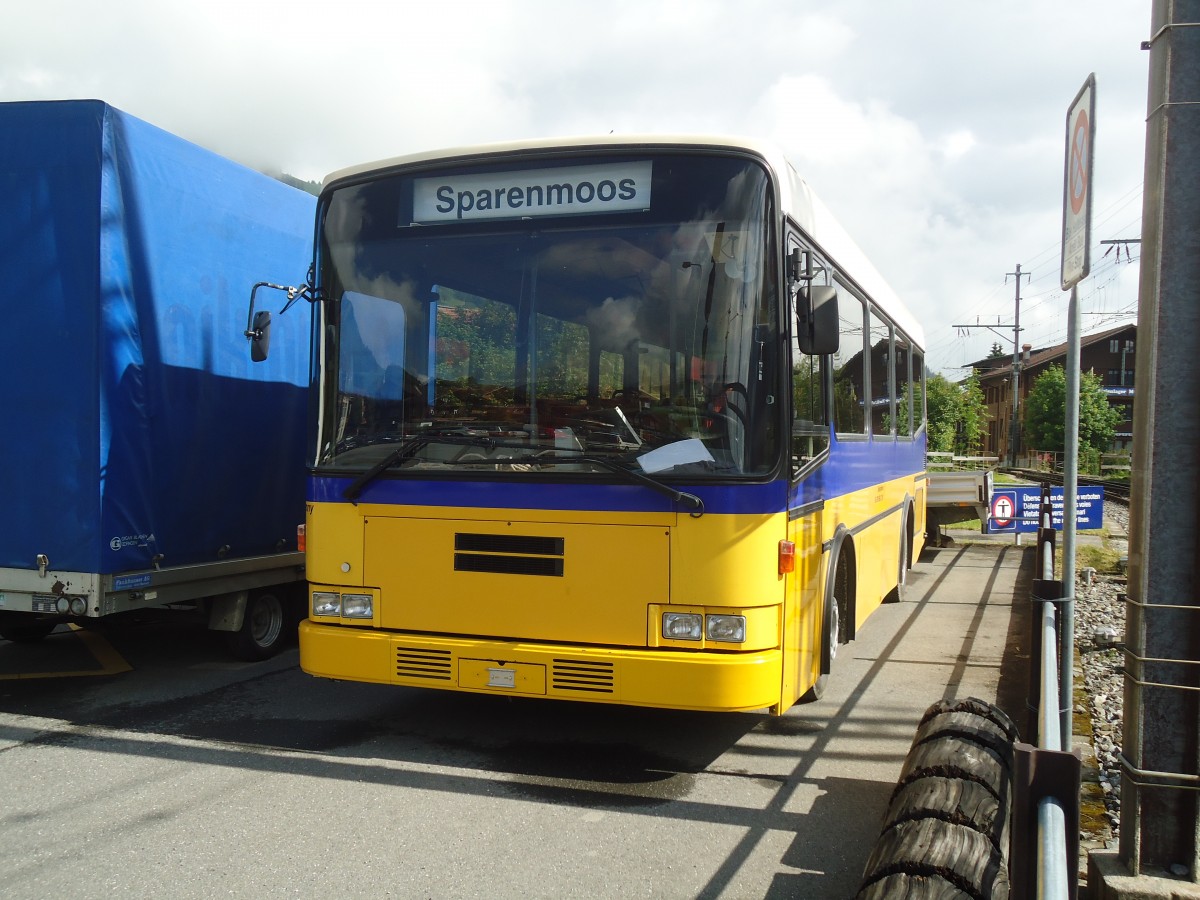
(682, 626)
(728, 629)
(357, 606)
(326, 603)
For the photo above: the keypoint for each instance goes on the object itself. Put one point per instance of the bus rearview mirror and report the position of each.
(817, 320)
(260, 336)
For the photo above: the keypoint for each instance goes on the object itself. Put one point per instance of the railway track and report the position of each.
(1116, 490)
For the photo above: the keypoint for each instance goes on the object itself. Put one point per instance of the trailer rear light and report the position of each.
(326, 603)
(787, 557)
(300, 538)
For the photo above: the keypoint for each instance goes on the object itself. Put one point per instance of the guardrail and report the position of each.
(939, 460)
(978, 813)
(1090, 463)
(1046, 776)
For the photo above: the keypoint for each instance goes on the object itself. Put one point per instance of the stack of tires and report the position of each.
(945, 834)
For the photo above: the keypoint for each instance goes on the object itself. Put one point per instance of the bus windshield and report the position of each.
(560, 316)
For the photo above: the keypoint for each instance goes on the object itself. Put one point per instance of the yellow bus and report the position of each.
(611, 420)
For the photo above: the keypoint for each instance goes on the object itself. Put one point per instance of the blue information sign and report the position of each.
(1015, 509)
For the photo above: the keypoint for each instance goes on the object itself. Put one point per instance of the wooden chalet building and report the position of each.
(1108, 354)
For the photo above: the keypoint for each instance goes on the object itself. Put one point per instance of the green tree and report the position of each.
(957, 415)
(973, 417)
(1046, 413)
(942, 398)
(997, 351)
(310, 187)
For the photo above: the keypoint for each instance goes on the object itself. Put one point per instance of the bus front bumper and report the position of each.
(670, 679)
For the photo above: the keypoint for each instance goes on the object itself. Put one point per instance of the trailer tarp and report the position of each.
(136, 429)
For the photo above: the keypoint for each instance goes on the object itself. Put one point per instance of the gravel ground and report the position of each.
(1099, 635)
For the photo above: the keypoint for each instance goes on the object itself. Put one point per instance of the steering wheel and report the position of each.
(733, 411)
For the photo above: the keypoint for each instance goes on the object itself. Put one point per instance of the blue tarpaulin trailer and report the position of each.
(147, 460)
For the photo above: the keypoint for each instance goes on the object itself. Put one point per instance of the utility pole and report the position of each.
(1014, 428)
(1014, 441)
(1160, 819)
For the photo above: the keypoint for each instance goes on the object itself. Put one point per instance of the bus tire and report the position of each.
(833, 620)
(263, 626)
(897, 594)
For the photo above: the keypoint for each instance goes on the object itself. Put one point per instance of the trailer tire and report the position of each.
(263, 626)
(27, 634)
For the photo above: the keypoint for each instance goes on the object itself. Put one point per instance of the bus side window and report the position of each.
(810, 425)
(810, 417)
(902, 379)
(849, 393)
(883, 396)
(918, 389)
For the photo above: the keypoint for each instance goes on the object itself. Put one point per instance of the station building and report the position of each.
(1108, 354)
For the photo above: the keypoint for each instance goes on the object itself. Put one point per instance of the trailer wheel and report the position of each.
(262, 632)
(27, 634)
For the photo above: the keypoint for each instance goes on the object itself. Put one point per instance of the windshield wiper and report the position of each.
(354, 490)
(696, 504)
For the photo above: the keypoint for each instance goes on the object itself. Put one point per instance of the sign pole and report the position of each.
(1070, 509)
(1076, 263)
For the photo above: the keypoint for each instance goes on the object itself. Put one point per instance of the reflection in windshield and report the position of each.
(504, 347)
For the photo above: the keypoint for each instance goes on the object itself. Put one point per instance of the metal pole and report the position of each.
(1159, 826)
(1052, 821)
(1014, 428)
(1070, 494)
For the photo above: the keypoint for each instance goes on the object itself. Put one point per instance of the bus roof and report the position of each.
(796, 197)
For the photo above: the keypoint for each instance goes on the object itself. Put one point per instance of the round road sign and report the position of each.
(1078, 169)
(1003, 510)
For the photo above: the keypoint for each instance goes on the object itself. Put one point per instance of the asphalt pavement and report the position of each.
(188, 775)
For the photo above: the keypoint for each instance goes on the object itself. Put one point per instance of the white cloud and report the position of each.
(939, 149)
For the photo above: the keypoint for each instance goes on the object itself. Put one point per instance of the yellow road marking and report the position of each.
(111, 662)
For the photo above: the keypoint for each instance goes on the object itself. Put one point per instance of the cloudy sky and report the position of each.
(934, 129)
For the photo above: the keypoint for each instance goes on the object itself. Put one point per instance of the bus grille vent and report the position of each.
(583, 675)
(509, 554)
(422, 663)
(509, 543)
(507, 565)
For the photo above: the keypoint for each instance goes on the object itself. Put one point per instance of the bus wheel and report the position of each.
(262, 632)
(832, 628)
(830, 634)
(896, 594)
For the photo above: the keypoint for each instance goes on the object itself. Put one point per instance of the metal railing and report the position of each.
(1047, 775)
(1090, 463)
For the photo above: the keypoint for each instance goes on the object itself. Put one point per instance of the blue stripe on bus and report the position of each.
(728, 499)
(852, 466)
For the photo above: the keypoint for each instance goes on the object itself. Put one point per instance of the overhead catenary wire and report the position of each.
(951, 350)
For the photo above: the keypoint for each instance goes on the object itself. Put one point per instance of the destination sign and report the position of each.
(529, 193)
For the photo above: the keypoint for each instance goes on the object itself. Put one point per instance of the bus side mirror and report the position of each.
(817, 326)
(260, 336)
